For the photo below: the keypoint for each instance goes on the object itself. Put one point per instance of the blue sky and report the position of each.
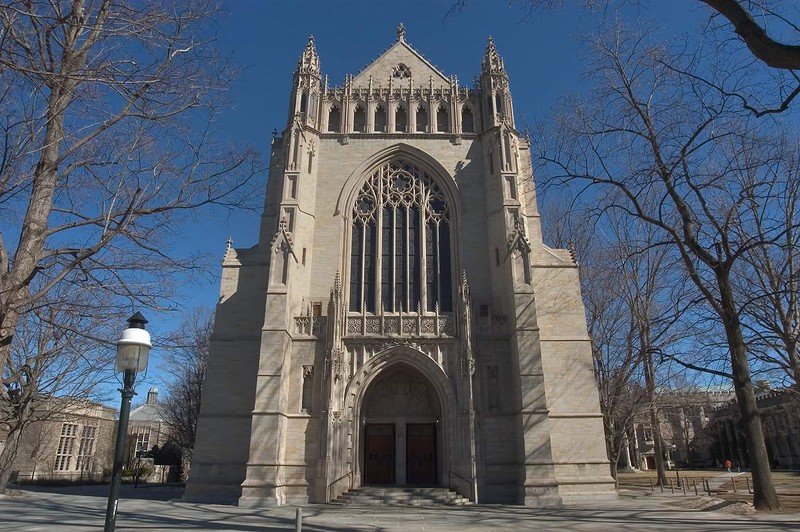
(542, 54)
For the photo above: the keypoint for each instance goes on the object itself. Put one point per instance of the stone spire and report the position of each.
(492, 62)
(309, 61)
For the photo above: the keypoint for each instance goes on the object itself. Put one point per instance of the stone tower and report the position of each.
(400, 320)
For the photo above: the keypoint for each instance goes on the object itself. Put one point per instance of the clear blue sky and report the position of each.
(542, 54)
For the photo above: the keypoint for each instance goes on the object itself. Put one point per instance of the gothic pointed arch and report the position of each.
(401, 227)
(400, 356)
(445, 179)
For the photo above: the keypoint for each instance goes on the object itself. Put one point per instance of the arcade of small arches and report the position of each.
(402, 111)
(423, 123)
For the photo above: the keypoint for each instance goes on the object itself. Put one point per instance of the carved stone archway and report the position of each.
(423, 395)
(400, 419)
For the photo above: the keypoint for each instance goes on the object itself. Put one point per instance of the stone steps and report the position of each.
(401, 496)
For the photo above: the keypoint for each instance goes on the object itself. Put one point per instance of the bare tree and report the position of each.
(635, 298)
(679, 157)
(754, 33)
(769, 276)
(186, 358)
(53, 366)
(106, 143)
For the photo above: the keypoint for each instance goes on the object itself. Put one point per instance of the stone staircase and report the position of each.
(401, 496)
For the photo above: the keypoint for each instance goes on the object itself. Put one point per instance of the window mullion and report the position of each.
(438, 254)
(362, 307)
(378, 256)
(394, 260)
(423, 260)
(406, 261)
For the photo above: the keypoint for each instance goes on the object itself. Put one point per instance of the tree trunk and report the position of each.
(15, 282)
(655, 426)
(764, 495)
(8, 455)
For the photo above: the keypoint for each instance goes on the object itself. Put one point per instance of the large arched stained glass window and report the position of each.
(400, 254)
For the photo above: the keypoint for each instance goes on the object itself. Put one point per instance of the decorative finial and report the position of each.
(309, 60)
(228, 250)
(401, 32)
(492, 62)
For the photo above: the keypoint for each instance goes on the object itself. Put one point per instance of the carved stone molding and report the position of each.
(335, 363)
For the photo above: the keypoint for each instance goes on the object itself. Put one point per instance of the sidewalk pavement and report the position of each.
(718, 481)
(157, 509)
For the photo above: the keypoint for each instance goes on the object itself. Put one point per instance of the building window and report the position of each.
(467, 120)
(647, 433)
(142, 442)
(422, 120)
(334, 120)
(400, 254)
(380, 119)
(66, 444)
(498, 103)
(304, 103)
(442, 120)
(400, 119)
(86, 448)
(401, 71)
(359, 120)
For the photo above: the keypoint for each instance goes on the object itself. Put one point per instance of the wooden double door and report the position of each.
(380, 458)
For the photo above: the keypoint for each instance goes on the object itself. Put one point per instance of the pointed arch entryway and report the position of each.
(405, 406)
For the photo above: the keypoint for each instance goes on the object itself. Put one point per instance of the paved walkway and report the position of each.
(718, 481)
(74, 509)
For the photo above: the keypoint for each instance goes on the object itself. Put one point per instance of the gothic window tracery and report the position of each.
(422, 119)
(467, 120)
(380, 119)
(401, 71)
(442, 120)
(359, 120)
(334, 119)
(400, 254)
(400, 119)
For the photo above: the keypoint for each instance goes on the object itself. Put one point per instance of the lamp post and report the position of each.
(133, 349)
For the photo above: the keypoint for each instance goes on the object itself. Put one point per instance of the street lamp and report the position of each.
(133, 350)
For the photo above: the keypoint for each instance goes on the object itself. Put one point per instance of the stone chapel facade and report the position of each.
(400, 320)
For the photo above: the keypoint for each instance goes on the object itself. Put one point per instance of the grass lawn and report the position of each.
(786, 482)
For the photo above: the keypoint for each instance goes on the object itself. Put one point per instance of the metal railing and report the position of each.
(349, 475)
(468, 481)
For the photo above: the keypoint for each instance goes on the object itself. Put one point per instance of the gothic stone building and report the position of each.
(400, 320)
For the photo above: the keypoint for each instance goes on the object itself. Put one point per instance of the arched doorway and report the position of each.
(401, 415)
